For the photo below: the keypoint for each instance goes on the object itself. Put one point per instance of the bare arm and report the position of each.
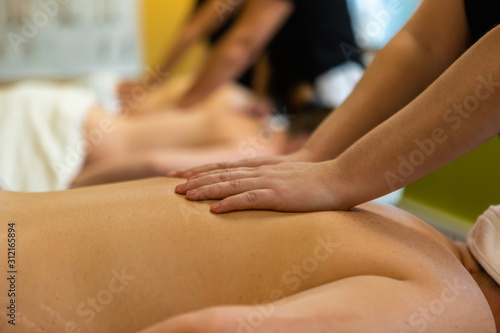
(456, 114)
(236, 51)
(204, 22)
(418, 54)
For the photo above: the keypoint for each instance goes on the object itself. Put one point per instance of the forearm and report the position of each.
(226, 62)
(456, 114)
(415, 57)
(384, 89)
(204, 22)
(257, 24)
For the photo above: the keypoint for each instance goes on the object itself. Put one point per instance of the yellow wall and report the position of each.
(161, 22)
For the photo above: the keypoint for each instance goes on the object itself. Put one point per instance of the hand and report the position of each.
(290, 187)
(299, 156)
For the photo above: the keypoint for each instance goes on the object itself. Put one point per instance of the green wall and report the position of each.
(464, 188)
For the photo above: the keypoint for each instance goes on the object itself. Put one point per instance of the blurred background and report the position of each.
(70, 38)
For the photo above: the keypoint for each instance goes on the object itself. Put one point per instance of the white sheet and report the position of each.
(41, 135)
(483, 241)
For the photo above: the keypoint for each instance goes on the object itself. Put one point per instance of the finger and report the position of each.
(222, 172)
(186, 173)
(214, 167)
(209, 168)
(256, 199)
(213, 178)
(226, 189)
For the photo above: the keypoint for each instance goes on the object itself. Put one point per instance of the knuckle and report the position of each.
(234, 184)
(224, 175)
(251, 197)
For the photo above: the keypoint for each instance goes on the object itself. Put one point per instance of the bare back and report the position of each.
(121, 257)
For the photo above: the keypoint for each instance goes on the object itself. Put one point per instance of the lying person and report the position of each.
(121, 257)
(55, 136)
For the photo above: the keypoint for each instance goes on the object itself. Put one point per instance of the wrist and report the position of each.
(341, 190)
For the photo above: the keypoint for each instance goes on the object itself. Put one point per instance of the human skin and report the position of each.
(140, 145)
(205, 21)
(259, 21)
(450, 119)
(121, 257)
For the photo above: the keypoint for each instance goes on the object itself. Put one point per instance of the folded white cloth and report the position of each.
(41, 135)
(483, 241)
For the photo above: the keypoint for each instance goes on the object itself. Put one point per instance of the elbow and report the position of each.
(414, 46)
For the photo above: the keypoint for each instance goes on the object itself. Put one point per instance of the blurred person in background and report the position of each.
(57, 135)
(304, 41)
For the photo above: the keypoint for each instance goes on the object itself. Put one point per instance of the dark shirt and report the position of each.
(482, 15)
(311, 41)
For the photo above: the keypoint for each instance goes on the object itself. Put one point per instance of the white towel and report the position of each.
(41, 135)
(483, 241)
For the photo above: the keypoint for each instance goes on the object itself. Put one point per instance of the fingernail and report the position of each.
(191, 192)
(216, 207)
(180, 187)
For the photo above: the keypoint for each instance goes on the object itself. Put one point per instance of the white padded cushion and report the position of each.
(483, 241)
